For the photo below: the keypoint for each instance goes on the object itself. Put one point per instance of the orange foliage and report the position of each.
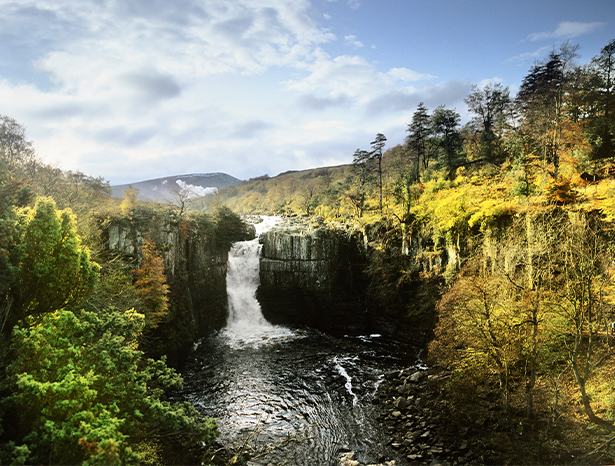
(151, 284)
(184, 229)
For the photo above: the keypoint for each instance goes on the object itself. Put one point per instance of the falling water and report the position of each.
(246, 324)
(298, 397)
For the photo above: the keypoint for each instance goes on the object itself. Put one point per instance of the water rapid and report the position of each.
(296, 397)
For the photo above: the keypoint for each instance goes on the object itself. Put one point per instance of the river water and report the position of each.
(289, 396)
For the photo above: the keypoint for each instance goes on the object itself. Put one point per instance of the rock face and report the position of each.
(310, 274)
(195, 266)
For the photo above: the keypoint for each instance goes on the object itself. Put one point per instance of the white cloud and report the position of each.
(352, 79)
(404, 74)
(140, 90)
(567, 30)
(353, 41)
(530, 56)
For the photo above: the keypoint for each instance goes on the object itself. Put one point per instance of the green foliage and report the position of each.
(229, 227)
(56, 270)
(16, 152)
(86, 391)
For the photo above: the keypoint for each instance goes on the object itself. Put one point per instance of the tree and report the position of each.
(540, 101)
(477, 332)
(361, 179)
(603, 125)
(586, 258)
(13, 195)
(86, 392)
(490, 106)
(417, 139)
(80, 189)
(151, 284)
(130, 199)
(15, 149)
(377, 146)
(406, 193)
(307, 197)
(444, 125)
(55, 271)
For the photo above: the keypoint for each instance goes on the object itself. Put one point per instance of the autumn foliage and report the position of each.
(151, 284)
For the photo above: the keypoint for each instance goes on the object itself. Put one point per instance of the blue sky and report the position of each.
(138, 89)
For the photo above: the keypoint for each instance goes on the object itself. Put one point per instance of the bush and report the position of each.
(85, 391)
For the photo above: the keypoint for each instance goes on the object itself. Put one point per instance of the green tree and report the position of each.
(419, 131)
(13, 194)
(361, 179)
(490, 106)
(541, 104)
(377, 146)
(56, 270)
(87, 393)
(15, 149)
(444, 126)
(603, 100)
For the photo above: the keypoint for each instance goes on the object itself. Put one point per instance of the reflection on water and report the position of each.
(313, 387)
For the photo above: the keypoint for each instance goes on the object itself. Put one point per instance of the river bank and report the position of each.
(426, 427)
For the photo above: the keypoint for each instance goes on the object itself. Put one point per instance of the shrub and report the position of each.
(85, 391)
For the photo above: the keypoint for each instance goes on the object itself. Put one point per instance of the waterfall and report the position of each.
(242, 280)
(246, 324)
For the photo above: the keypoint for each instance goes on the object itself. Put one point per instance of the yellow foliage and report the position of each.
(489, 211)
(560, 191)
(605, 201)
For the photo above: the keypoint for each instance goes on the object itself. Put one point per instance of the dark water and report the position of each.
(297, 397)
(306, 396)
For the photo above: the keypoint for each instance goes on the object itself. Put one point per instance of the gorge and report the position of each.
(289, 394)
(288, 359)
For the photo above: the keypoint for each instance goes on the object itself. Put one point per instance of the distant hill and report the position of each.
(163, 189)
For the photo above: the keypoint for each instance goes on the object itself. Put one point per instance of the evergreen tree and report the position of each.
(603, 99)
(377, 146)
(444, 126)
(540, 102)
(56, 270)
(85, 392)
(417, 139)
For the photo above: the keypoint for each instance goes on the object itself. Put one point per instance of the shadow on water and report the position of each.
(307, 393)
(300, 397)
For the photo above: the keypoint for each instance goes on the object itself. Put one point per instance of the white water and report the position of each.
(246, 325)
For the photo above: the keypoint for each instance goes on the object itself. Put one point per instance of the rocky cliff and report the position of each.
(195, 253)
(310, 274)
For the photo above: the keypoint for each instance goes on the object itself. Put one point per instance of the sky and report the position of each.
(132, 90)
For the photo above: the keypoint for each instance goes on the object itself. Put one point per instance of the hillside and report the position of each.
(289, 193)
(162, 189)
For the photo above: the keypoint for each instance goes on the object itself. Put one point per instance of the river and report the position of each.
(287, 395)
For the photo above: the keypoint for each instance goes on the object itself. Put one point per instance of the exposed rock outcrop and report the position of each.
(195, 253)
(310, 274)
